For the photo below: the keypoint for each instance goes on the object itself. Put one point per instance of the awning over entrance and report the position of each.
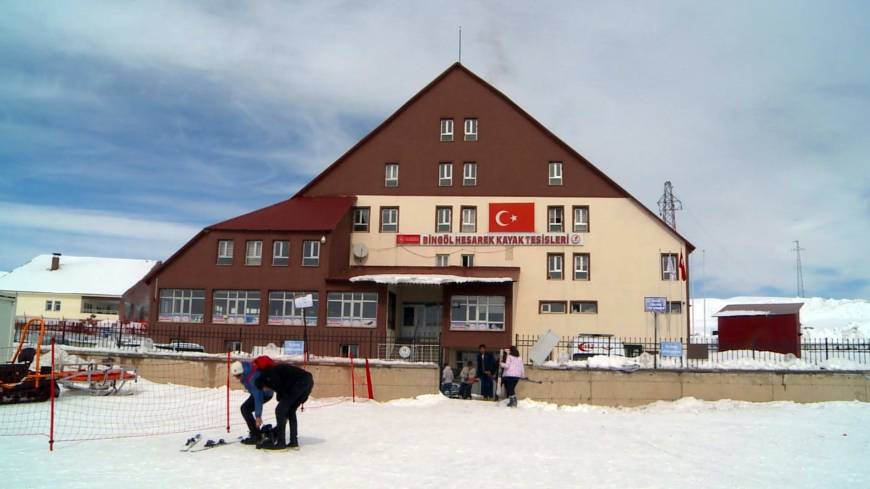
(429, 275)
(426, 279)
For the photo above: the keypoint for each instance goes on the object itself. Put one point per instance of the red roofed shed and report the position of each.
(761, 327)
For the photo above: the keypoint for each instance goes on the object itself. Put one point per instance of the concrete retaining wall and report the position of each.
(613, 388)
(559, 386)
(330, 379)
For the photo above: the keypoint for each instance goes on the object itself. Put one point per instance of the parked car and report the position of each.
(586, 345)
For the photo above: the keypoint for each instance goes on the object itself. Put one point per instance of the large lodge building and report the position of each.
(460, 219)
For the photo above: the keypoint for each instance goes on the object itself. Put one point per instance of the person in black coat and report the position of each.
(486, 370)
(292, 385)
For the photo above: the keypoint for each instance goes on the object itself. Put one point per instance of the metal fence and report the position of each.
(702, 353)
(140, 337)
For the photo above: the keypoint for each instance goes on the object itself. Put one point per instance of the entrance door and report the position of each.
(420, 321)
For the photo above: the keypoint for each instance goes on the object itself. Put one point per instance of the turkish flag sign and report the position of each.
(512, 218)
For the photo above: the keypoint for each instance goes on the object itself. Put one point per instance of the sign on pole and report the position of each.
(303, 301)
(293, 347)
(655, 304)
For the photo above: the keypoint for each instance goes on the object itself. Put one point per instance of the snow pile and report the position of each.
(77, 275)
(838, 319)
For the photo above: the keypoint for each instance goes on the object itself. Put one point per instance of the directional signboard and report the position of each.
(655, 304)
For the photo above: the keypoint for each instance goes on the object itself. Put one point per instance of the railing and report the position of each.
(704, 353)
(141, 337)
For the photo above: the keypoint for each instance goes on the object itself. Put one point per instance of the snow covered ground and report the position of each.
(434, 442)
(841, 319)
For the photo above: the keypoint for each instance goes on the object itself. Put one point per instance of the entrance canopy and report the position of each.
(430, 275)
(426, 279)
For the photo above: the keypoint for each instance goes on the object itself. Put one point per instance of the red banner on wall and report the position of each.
(512, 218)
(407, 239)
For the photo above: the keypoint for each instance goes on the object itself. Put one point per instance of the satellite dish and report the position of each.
(405, 351)
(360, 250)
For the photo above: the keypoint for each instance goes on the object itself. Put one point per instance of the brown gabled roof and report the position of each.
(458, 66)
(772, 309)
(296, 214)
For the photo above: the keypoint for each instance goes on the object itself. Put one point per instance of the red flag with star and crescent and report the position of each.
(682, 268)
(512, 218)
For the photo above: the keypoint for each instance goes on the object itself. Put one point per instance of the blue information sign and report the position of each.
(671, 349)
(294, 347)
(655, 304)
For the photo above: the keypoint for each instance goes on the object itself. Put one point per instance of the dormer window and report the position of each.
(447, 129)
(391, 175)
(471, 129)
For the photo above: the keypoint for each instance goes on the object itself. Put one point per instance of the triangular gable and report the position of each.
(512, 152)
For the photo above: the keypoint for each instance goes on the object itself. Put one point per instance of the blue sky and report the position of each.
(127, 127)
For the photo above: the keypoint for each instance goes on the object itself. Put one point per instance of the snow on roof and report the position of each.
(77, 275)
(736, 312)
(425, 279)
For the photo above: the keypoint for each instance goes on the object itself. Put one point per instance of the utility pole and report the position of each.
(668, 204)
(798, 268)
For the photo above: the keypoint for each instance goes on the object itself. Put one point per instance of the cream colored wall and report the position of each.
(624, 244)
(33, 305)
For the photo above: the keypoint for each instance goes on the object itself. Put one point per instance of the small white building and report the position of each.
(72, 287)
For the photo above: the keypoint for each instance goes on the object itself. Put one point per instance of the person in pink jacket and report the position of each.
(513, 371)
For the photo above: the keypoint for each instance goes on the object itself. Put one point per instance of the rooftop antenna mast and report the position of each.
(460, 44)
(668, 204)
(799, 269)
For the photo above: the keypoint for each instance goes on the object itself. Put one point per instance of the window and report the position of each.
(584, 307)
(471, 129)
(57, 305)
(99, 305)
(469, 174)
(280, 253)
(311, 253)
(236, 307)
(352, 309)
(282, 310)
(391, 175)
(361, 219)
(552, 307)
(447, 129)
(445, 174)
(253, 253)
(669, 266)
(477, 313)
(442, 260)
(581, 219)
(467, 260)
(555, 173)
(225, 252)
(181, 305)
(581, 266)
(469, 220)
(349, 350)
(674, 307)
(443, 219)
(48, 305)
(555, 219)
(555, 266)
(389, 219)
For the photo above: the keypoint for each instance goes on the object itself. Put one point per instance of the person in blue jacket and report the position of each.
(252, 408)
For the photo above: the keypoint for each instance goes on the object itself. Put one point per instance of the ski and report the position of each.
(209, 444)
(191, 442)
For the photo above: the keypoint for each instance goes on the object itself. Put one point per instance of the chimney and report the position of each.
(55, 261)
